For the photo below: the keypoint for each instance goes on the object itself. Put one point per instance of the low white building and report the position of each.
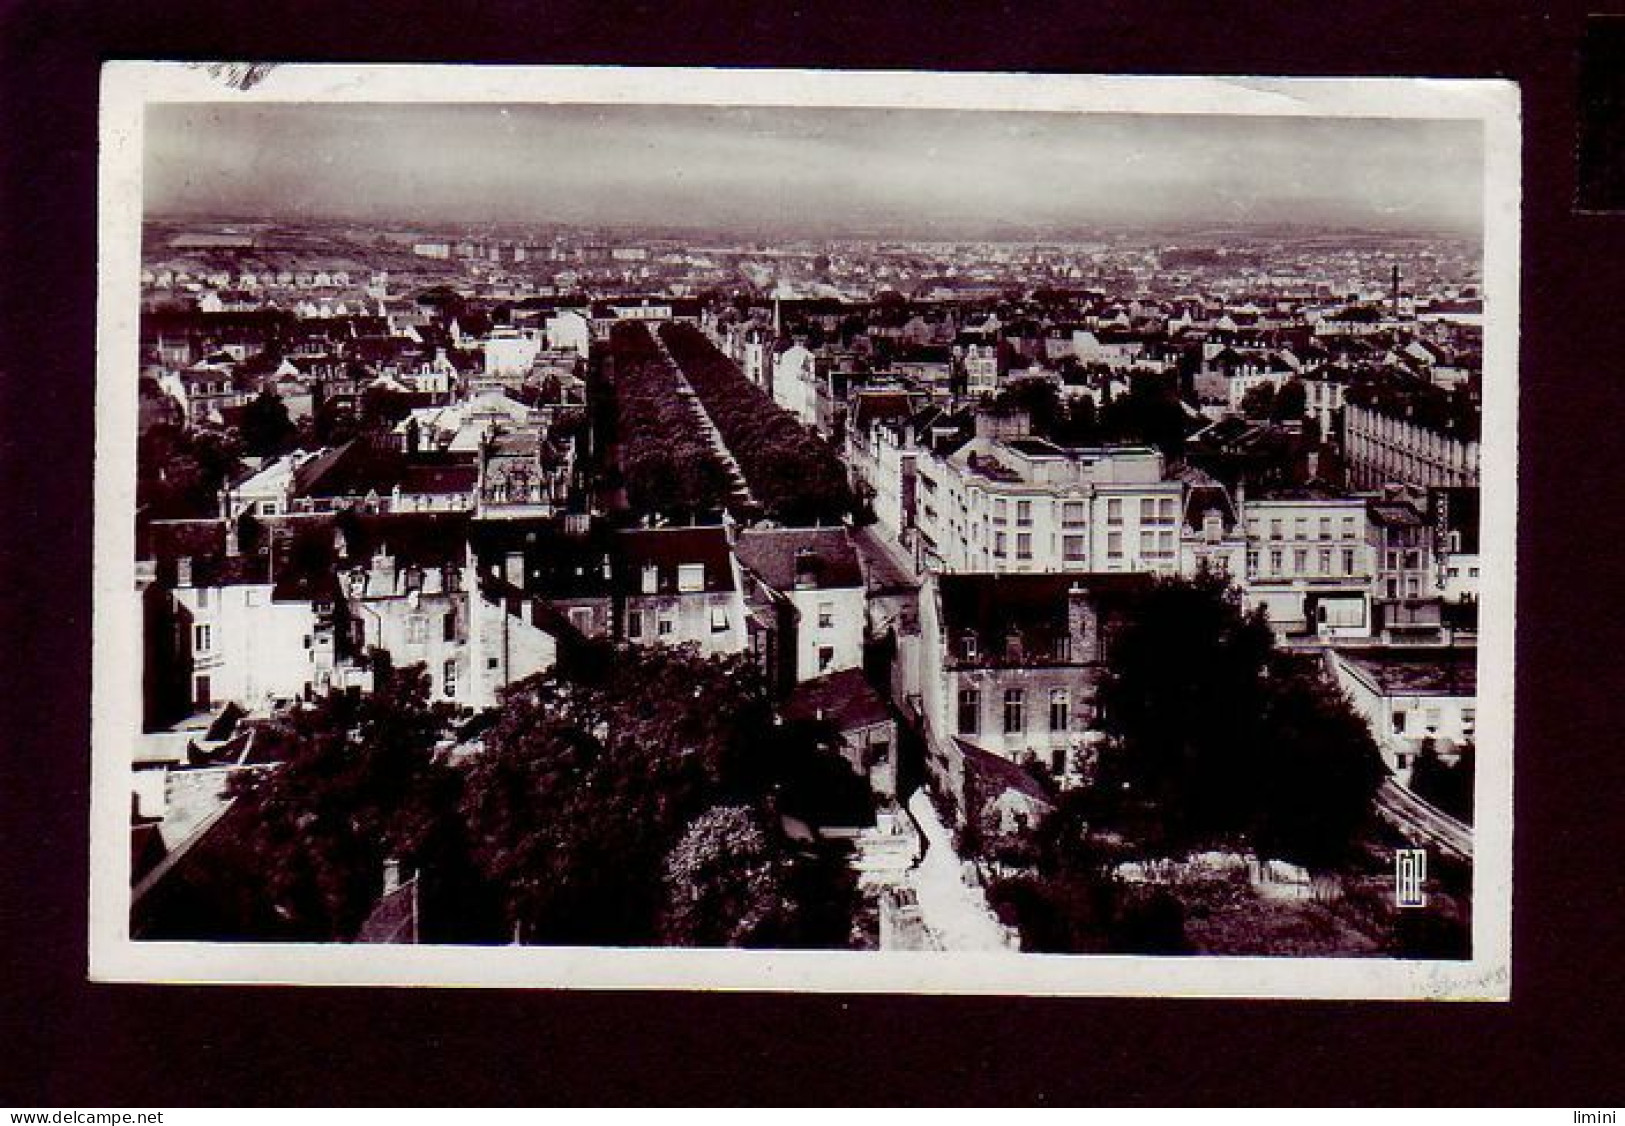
(1411, 696)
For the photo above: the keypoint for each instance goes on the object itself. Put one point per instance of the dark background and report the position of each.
(64, 1042)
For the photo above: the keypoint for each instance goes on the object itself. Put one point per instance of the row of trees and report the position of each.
(794, 474)
(667, 462)
(631, 799)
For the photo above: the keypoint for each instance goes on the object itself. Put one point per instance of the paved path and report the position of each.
(956, 915)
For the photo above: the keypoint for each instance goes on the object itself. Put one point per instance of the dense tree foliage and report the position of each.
(359, 784)
(793, 473)
(590, 778)
(1449, 786)
(180, 470)
(265, 426)
(668, 464)
(1218, 735)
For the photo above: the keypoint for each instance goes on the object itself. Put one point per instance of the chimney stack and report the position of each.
(1082, 625)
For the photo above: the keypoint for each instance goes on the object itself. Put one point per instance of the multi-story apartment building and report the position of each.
(1309, 562)
(1025, 504)
(1404, 592)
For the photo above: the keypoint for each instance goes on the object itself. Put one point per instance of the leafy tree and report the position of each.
(1218, 737)
(358, 784)
(727, 883)
(1318, 770)
(1447, 786)
(265, 427)
(1184, 696)
(180, 471)
(590, 775)
(1259, 401)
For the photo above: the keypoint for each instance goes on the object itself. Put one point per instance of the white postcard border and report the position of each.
(127, 87)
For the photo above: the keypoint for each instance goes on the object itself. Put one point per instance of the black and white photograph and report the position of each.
(906, 532)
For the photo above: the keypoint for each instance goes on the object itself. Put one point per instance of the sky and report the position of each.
(950, 173)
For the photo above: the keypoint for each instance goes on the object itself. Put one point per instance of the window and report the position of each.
(880, 752)
(1469, 721)
(1148, 510)
(1024, 513)
(448, 679)
(581, 618)
(1114, 545)
(417, 629)
(1057, 762)
(1114, 510)
(1275, 561)
(998, 544)
(651, 579)
(1060, 704)
(252, 597)
(1431, 718)
(970, 706)
(1300, 528)
(691, 577)
(1252, 562)
(1275, 529)
(1348, 527)
(492, 663)
(826, 657)
(719, 619)
(1001, 510)
(1348, 561)
(1325, 562)
(1165, 510)
(202, 638)
(1072, 548)
(1165, 544)
(634, 624)
(1300, 562)
(1399, 722)
(1073, 513)
(826, 615)
(967, 646)
(1024, 545)
(448, 627)
(1325, 527)
(201, 692)
(1015, 711)
(664, 627)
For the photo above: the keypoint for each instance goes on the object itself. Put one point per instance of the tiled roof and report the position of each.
(666, 549)
(845, 698)
(781, 556)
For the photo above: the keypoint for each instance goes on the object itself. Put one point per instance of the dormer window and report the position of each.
(967, 647)
(691, 577)
(651, 579)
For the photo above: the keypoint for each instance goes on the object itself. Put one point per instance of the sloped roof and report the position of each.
(845, 699)
(780, 556)
(667, 549)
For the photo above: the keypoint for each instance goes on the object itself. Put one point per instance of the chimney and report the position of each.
(383, 572)
(806, 569)
(1082, 625)
(514, 569)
